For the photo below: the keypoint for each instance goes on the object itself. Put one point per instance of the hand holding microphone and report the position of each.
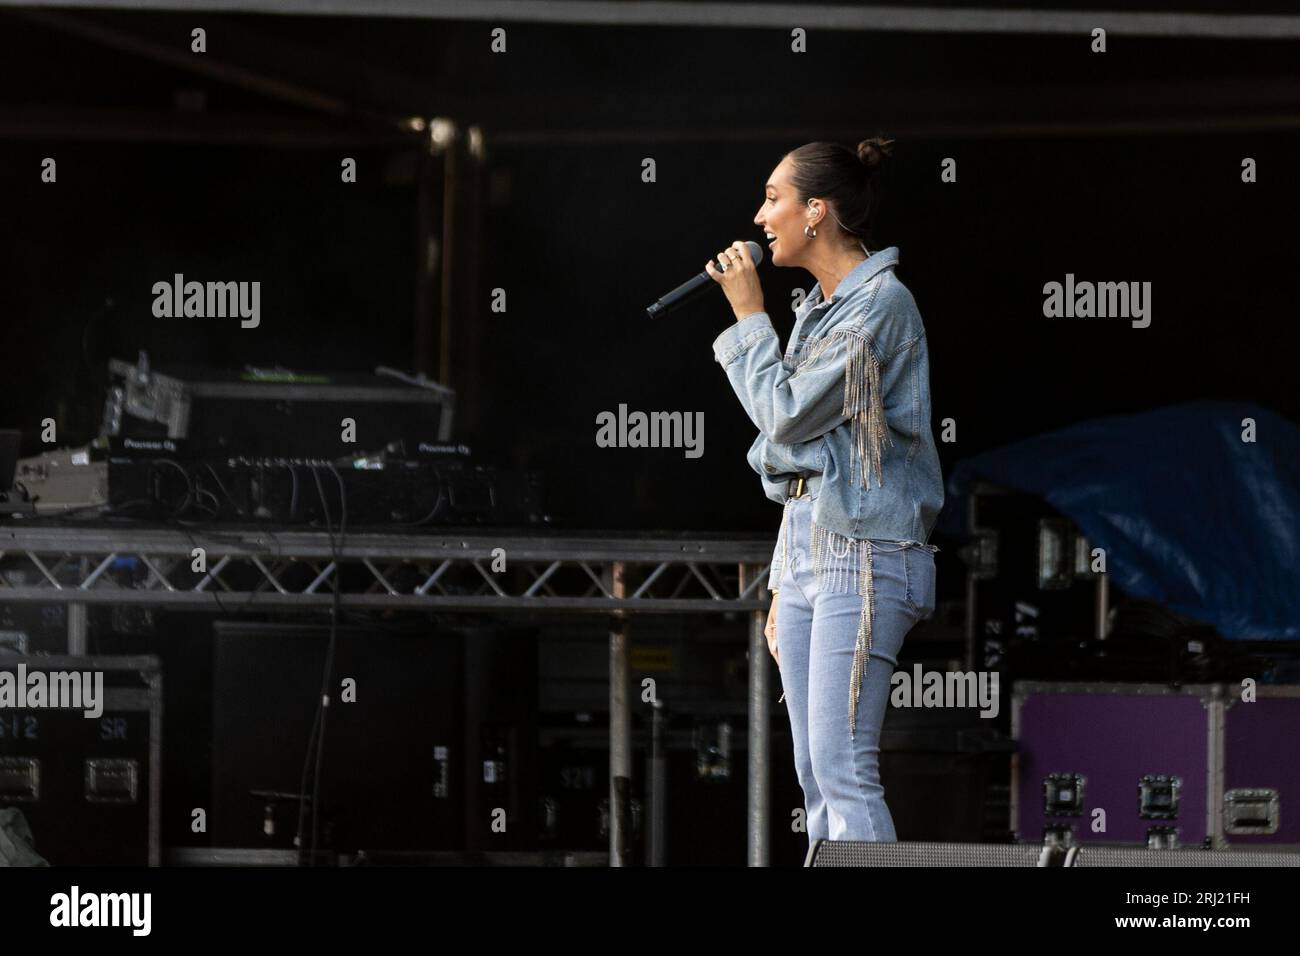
(739, 278)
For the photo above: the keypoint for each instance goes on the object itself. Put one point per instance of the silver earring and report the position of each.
(810, 235)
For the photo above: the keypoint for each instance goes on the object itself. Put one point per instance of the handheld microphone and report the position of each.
(693, 287)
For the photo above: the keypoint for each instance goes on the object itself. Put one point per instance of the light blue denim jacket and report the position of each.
(848, 407)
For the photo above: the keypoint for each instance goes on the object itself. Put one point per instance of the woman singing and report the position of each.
(844, 444)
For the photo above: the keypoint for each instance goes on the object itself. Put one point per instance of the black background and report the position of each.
(1124, 166)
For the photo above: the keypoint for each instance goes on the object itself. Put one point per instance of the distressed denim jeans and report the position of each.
(817, 631)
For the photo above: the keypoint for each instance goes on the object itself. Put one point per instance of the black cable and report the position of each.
(185, 526)
(316, 719)
(189, 486)
(215, 512)
(238, 510)
(293, 496)
(310, 752)
(437, 505)
(329, 658)
(302, 785)
(322, 711)
(154, 500)
(343, 505)
(326, 680)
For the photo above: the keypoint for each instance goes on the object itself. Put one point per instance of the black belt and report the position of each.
(801, 486)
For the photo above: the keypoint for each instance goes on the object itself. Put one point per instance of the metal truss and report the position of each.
(262, 568)
(231, 569)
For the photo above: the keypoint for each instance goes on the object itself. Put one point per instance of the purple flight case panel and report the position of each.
(1114, 735)
(1261, 757)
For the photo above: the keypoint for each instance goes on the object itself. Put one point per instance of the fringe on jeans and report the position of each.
(842, 565)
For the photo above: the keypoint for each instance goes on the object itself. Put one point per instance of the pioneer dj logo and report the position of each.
(146, 444)
(208, 300)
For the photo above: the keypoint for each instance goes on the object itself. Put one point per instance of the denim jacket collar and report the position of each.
(866, 269)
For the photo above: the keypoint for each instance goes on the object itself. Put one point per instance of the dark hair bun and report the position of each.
(872, 152)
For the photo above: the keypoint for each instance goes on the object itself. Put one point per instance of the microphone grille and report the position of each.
(755, 252)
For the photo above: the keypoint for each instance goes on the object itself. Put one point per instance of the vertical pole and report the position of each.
(1103, 605)
(77, 629)
(760, 732)
(428, 249)
(468, 308)
(450, 255)
(620, 727)
(657, 781)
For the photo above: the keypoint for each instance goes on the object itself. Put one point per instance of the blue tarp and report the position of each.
(1190, 515)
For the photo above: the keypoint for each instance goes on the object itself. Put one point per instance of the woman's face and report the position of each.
(784, 216)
